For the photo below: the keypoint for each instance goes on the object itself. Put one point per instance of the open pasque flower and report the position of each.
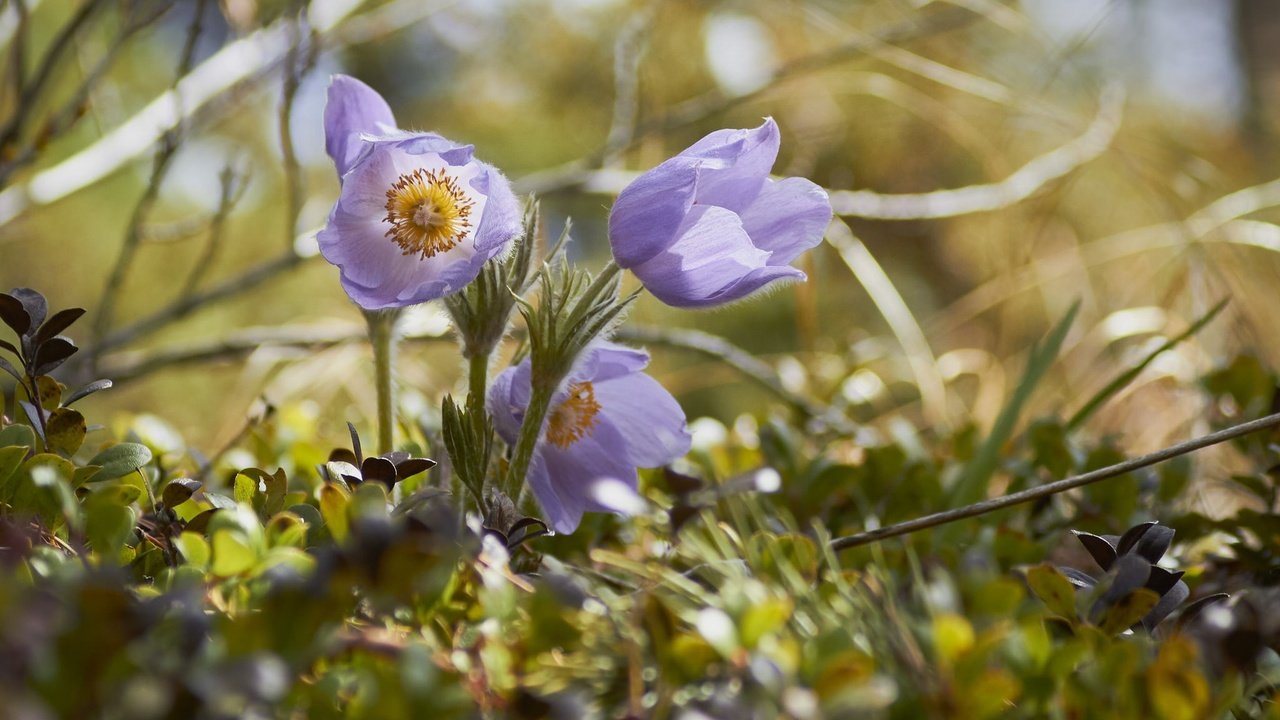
(608, 419)
(709, 226)
(417, 216)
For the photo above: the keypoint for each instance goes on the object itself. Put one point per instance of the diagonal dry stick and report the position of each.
(1053, 488)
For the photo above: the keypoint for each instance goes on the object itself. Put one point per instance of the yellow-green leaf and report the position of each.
(65, 431)
(1128, 610)
(1054, 590)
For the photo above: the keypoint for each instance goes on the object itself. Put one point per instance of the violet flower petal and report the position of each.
(353, 109)
(788, 217)
(650, 419)
(711, 254)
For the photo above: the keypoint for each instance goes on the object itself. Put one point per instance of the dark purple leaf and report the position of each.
(35, 305)
(526, 529)
(380, 469)
(1191, 611)
(1131, 537)
(413, 466)
(87, 390)
(1169, 602)
(1102, 551)
(342, 455)
(1078, 578)
(10, 347)
(1129, 573)
(179, 491)
(53, 353)
(8, 367)
(60, 321)
(1161, 580)
(395, 456)
(1154, 543)
(355, 444)
(33, 416)
(14, 314)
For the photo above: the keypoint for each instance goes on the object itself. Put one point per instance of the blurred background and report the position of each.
(993, 162)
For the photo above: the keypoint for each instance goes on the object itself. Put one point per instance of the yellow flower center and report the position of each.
(428, 212)
(574, 417)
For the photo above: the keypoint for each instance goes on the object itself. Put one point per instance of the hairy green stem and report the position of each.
(382, 331)
(478, 375)
(530, 430)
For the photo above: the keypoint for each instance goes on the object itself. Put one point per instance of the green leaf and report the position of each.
(232, 554)
(108, 524)
(763, 618)
(65, 431)
(10, 459)
(974, 480)
(18, 435)
(245, 489)
(1054, 590)
(333, 507)
(194, 548)
(121, 459)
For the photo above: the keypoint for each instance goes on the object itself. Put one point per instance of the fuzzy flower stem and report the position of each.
(530, 430)
(382, 337)
(478, 375)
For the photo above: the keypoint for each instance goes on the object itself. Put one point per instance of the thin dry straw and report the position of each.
(1053, 488)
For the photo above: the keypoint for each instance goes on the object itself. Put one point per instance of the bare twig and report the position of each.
(1053, 488)
(126, 366)
(243, 282)
(1022, 184)
(576, 172)
(164, 156)
(717, 348)
(30, 90)
(297, 63)
(232, 189)
(59, 122)
(628, 49)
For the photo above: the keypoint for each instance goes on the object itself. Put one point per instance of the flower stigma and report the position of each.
(428, 212)
(574, 417)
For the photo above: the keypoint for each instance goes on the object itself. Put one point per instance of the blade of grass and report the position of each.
(973, 482)
(1123, 379)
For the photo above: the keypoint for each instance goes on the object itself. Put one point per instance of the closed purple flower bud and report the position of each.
(608, 419)
(417, 215)
(709, 226)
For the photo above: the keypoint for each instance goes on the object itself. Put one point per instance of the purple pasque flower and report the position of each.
(417, 215)
(608, 419)
(709, 226)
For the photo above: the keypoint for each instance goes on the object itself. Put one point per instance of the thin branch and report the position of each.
(243, 282)
(247, 59)
(30, 91)
(751, 367)
(126, 366)
(59, 122)
(1053, 488)
(1022, 184)
(628, 49)
(690, 112)
(164, 156)
(297, 63)
(232, 189)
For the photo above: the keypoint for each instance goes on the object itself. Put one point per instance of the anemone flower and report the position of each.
(708, 226)
(417, 215)
(608, 419)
